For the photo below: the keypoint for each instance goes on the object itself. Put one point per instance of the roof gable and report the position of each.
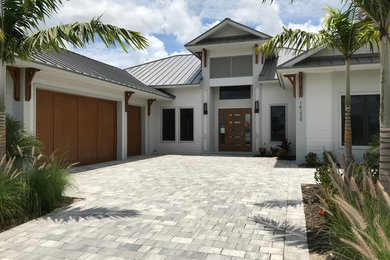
(228, 30)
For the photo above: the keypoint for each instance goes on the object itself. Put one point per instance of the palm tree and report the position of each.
(379, 12)
(20, 36)
(341, 31)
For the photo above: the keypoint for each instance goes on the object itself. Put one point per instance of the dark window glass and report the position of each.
(278, 123)
(364, 118)
(236, 92)
(168, 124)
(186, 124)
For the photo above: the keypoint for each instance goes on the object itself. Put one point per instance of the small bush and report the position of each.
(285, 145)
(322, 175)
(372, 155)
(311, 159)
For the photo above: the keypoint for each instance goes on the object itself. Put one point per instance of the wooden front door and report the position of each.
(235, 129)
(80, 129)
(133, 131)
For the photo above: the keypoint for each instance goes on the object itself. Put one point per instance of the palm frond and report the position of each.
(81, 34)
(292, 40)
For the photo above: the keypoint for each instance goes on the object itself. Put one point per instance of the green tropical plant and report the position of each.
(18, 18)
(20, 146)
(343, 30)
(311, 159)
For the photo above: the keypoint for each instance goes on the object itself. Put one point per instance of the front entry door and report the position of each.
(235, 129)
(133, 131)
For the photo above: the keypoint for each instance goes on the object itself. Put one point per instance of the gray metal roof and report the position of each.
(338, 60)
(76, 63)
(175, 70)
(270, 66)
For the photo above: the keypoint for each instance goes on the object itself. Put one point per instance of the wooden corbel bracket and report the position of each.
(30, 73)
(127, 98)
(150, 102)
(15, 74)
(293, 80)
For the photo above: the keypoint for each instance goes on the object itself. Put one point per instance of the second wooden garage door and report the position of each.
(79, 128)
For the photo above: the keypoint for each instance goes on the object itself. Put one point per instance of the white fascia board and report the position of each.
(327, 68)
(177, 86)
(79, 77)
(269, 81)
(221, 45)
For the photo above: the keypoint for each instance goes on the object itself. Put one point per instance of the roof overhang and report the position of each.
(80, 77)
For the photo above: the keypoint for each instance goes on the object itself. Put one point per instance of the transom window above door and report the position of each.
(235, 92)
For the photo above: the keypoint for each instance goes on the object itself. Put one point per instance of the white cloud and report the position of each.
(184, 20)
(308, 26)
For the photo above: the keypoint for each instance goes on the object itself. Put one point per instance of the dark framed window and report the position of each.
(235, 92)
(278, 123)
(168, 125)
(364, 118)
(186, 124)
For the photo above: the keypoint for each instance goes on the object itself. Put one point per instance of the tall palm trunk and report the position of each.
(3, 74)
(347, 124)
(384, 162)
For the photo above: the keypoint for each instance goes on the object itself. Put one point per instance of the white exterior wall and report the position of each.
(322, 112)
(185, 98)
(273, 95)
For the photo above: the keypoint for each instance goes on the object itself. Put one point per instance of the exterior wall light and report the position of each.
(256, 107)
(205, 111)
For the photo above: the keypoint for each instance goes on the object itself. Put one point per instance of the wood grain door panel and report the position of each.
(65, 126)
(133, 131)
(44, 120)
(106, 131)
(87, 130)
(235, 130)
(78, 128)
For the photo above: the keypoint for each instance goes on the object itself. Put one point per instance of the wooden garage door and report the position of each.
(81, 129)
(133, 131)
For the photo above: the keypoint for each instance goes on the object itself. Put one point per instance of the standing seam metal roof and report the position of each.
(175, 70)
(73, 62)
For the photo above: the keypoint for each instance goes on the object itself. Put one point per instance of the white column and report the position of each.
(300, 115)
(121, 131)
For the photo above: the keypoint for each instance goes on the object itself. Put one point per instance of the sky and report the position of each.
(170, 24)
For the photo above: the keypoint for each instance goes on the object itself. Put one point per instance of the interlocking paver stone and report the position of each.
(173, 207)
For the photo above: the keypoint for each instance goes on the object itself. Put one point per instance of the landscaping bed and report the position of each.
(315, 223)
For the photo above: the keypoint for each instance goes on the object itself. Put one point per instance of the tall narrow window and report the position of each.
(278, 123)
(364, 118)
(186, 124)
(168, 124)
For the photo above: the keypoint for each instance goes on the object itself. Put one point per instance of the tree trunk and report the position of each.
(3, 73)
(384, 161)
(347, 125)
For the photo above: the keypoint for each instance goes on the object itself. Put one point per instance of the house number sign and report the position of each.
(300, 111)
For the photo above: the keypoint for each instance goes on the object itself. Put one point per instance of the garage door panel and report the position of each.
(87, 130)
(44, 120)
(106, 130)
(65, 126)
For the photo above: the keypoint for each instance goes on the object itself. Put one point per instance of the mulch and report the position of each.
(315, 223)
(16, 222)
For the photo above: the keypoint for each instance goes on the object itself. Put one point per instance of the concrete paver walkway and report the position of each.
(173, 207)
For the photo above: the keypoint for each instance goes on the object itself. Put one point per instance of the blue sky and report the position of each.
(169, 24)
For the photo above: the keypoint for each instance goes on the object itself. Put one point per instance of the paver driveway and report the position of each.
(174, 207)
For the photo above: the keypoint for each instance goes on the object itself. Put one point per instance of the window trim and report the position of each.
(285, 123)
(162, 124)
(193, 126)
(340, 121)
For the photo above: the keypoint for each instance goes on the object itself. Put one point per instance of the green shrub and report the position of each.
(47, 184)
(322, 175)
(372, 155)
(311, 159)
(13, 196)
(358, 221)
(20, 146)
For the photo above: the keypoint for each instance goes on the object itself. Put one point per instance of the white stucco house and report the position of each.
(221, 98)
